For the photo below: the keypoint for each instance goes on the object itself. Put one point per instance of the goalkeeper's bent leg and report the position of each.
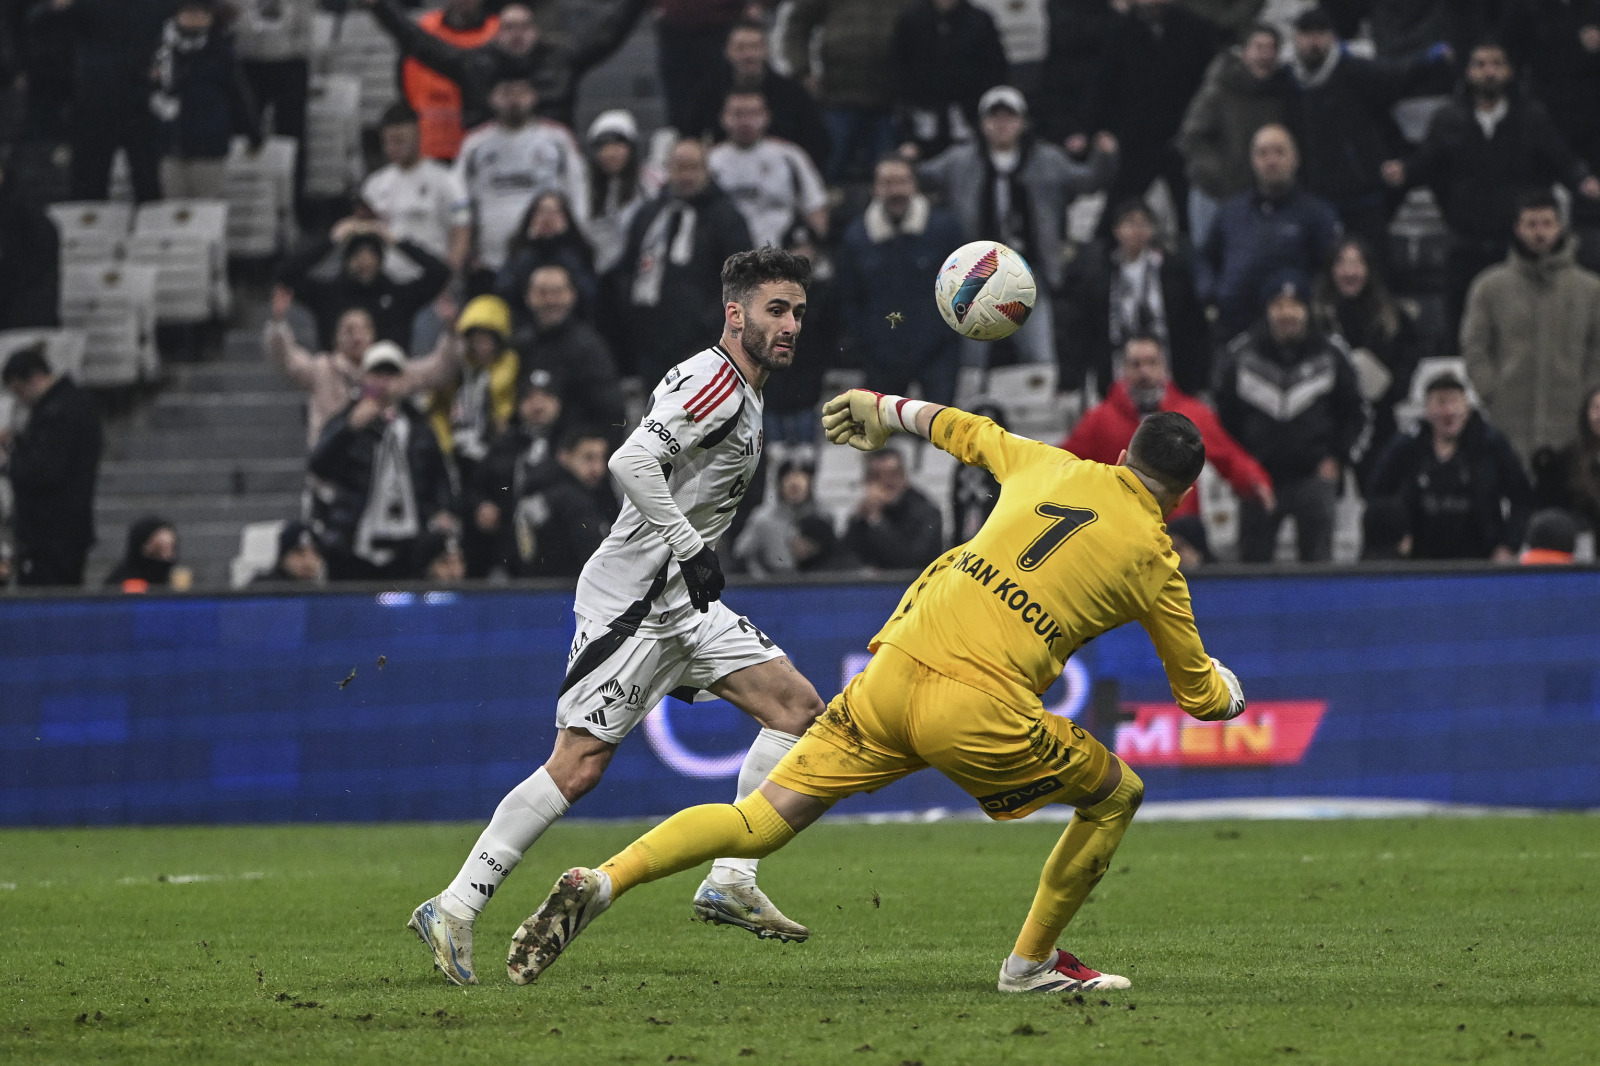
(1080, 859)
(749, 829)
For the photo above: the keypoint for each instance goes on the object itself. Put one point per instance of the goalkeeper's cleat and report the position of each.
(450, 940)
(573, 903)
(747, 907)
(1064, 973)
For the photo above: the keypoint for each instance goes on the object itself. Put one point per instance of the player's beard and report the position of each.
(758, 346)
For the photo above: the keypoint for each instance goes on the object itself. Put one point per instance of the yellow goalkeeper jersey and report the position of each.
(1073, 549)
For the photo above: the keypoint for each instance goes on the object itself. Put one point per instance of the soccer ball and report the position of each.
(985, 291)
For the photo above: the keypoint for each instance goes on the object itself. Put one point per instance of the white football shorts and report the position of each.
(615, 678)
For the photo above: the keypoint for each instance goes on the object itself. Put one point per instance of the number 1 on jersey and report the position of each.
(1066, 522)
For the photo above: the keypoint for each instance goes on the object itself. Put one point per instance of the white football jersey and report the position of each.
(422, 204)
(705, 428)
(503, 169)
(770, 182)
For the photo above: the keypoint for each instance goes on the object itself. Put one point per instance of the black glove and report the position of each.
(703, 574)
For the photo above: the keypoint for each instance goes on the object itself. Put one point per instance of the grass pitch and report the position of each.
(1247, 942)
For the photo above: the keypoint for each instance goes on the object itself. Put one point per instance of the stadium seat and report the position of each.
(261, 198)
(363, 51)
(333, 136)
(1027, 393)
(258, 553)
(92, 231)
(115, 307)
(186, 241)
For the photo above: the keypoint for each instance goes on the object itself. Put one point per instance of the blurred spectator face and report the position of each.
(747, 55)
(887, 471)
(363, 264)
(612, 154)
(1488, 72)
(518, 31)
(162, 545)
(585, 460)
(745, 118)
(303, 562)
(686, 169)
(1260, 55)
(1538, 229)
(28, 390)
(1002, 127)
(354, 334)
(1446, 410)
(1274, 159)
(1350, 272)
(449, 565)
(402, 144)
(548, 217)
(795, 488)
(194, 20)
(1134, 232)
(513, 101)
(483, 346)
(1287, 318)
(539, 408)
(551, 296)
(1312, 48)
(1144, 373)
(894, 185)
(383, 385)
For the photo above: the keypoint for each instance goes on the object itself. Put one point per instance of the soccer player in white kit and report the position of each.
(649, 617)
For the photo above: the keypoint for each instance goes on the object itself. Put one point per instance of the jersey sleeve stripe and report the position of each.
(711, 387)
(705, 409)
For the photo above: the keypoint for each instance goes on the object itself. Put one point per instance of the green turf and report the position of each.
(1331, 942)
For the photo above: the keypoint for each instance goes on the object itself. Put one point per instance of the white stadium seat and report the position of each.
(362, 50)
(92, 231)
(258, 553)
(187, 242)
(115, 306)
(333, 136)
(261, 198)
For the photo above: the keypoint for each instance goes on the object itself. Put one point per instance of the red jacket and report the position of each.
(1106, 430)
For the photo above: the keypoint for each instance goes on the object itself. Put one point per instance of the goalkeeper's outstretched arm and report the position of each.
(865, 419)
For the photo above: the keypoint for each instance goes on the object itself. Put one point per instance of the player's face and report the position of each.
(1446, 410)
(402, 145)
(771, 324)
(1350, 272)
(1539, 229)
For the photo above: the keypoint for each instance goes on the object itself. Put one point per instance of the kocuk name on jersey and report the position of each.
(1012, 594)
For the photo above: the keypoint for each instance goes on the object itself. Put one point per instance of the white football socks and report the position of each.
(768, 750)
(522, 817)
(1017, 966)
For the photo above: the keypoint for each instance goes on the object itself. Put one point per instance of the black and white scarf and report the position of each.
(164, 102)
(1007, 205)
(670, 237)
(390, 516)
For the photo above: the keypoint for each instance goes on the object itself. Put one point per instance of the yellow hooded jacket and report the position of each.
(492, 314)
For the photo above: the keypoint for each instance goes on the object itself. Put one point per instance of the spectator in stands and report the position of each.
(1079, 33)
(1402, 29)
(894, 527)
(1341, 114)
(690, 38)
(1142, 388)
(566, 509)
(1024, 28)
(546, 236)
(744, 67)
(1012, 187)
(790, 399)
(202, 102)
(444, 561)
(1155, 60)
(507, 473)
(53, 464)
(299, 561)
(973, 490)
(1465, 494)
(114, 42)
(1570, 478)
(1557, 42)
(1385, 530)
(435, 98)
(504, 164)
(619, 184)
(669, 283)
(1134, 286)
(1531, 336)
(1350, 300)
(333, 378)
(471, 411)
(1245, 88)
(771, 181)
(1287, 392)
(1551, 540)
(1481, 152)
(856, 82)
(273, 38)
(151, 559)
(418, 198)
(886, 265)
(362, 282)
(1235, 16)
(382, 479)
(557, 340)
(30, 260)
(1276, 226)
(946, 55)
(518, 50)
(766, 545)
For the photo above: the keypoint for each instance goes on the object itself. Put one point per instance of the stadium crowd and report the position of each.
(1207, 191)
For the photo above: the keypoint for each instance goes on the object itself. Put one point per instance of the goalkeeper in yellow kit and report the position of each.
(1072, 549)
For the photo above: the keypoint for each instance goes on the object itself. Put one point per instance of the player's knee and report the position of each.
(578, 777)
(1133, 788)
(796, 713)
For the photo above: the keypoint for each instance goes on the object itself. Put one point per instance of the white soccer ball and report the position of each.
(985, 290)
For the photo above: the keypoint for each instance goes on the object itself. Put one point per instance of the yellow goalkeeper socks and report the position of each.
(749, 829)
(1081, 857)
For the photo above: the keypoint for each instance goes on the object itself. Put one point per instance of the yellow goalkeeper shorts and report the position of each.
(899, 716)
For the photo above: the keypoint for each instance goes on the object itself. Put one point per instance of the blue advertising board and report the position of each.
(1480, 687)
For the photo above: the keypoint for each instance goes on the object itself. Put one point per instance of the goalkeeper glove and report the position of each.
(703, 574)
(1235, 691)
(864, 419)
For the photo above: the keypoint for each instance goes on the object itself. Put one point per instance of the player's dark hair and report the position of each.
(1168, 447)
(25, 365)
(398, 114)
(1537, 198)
(745, 272)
